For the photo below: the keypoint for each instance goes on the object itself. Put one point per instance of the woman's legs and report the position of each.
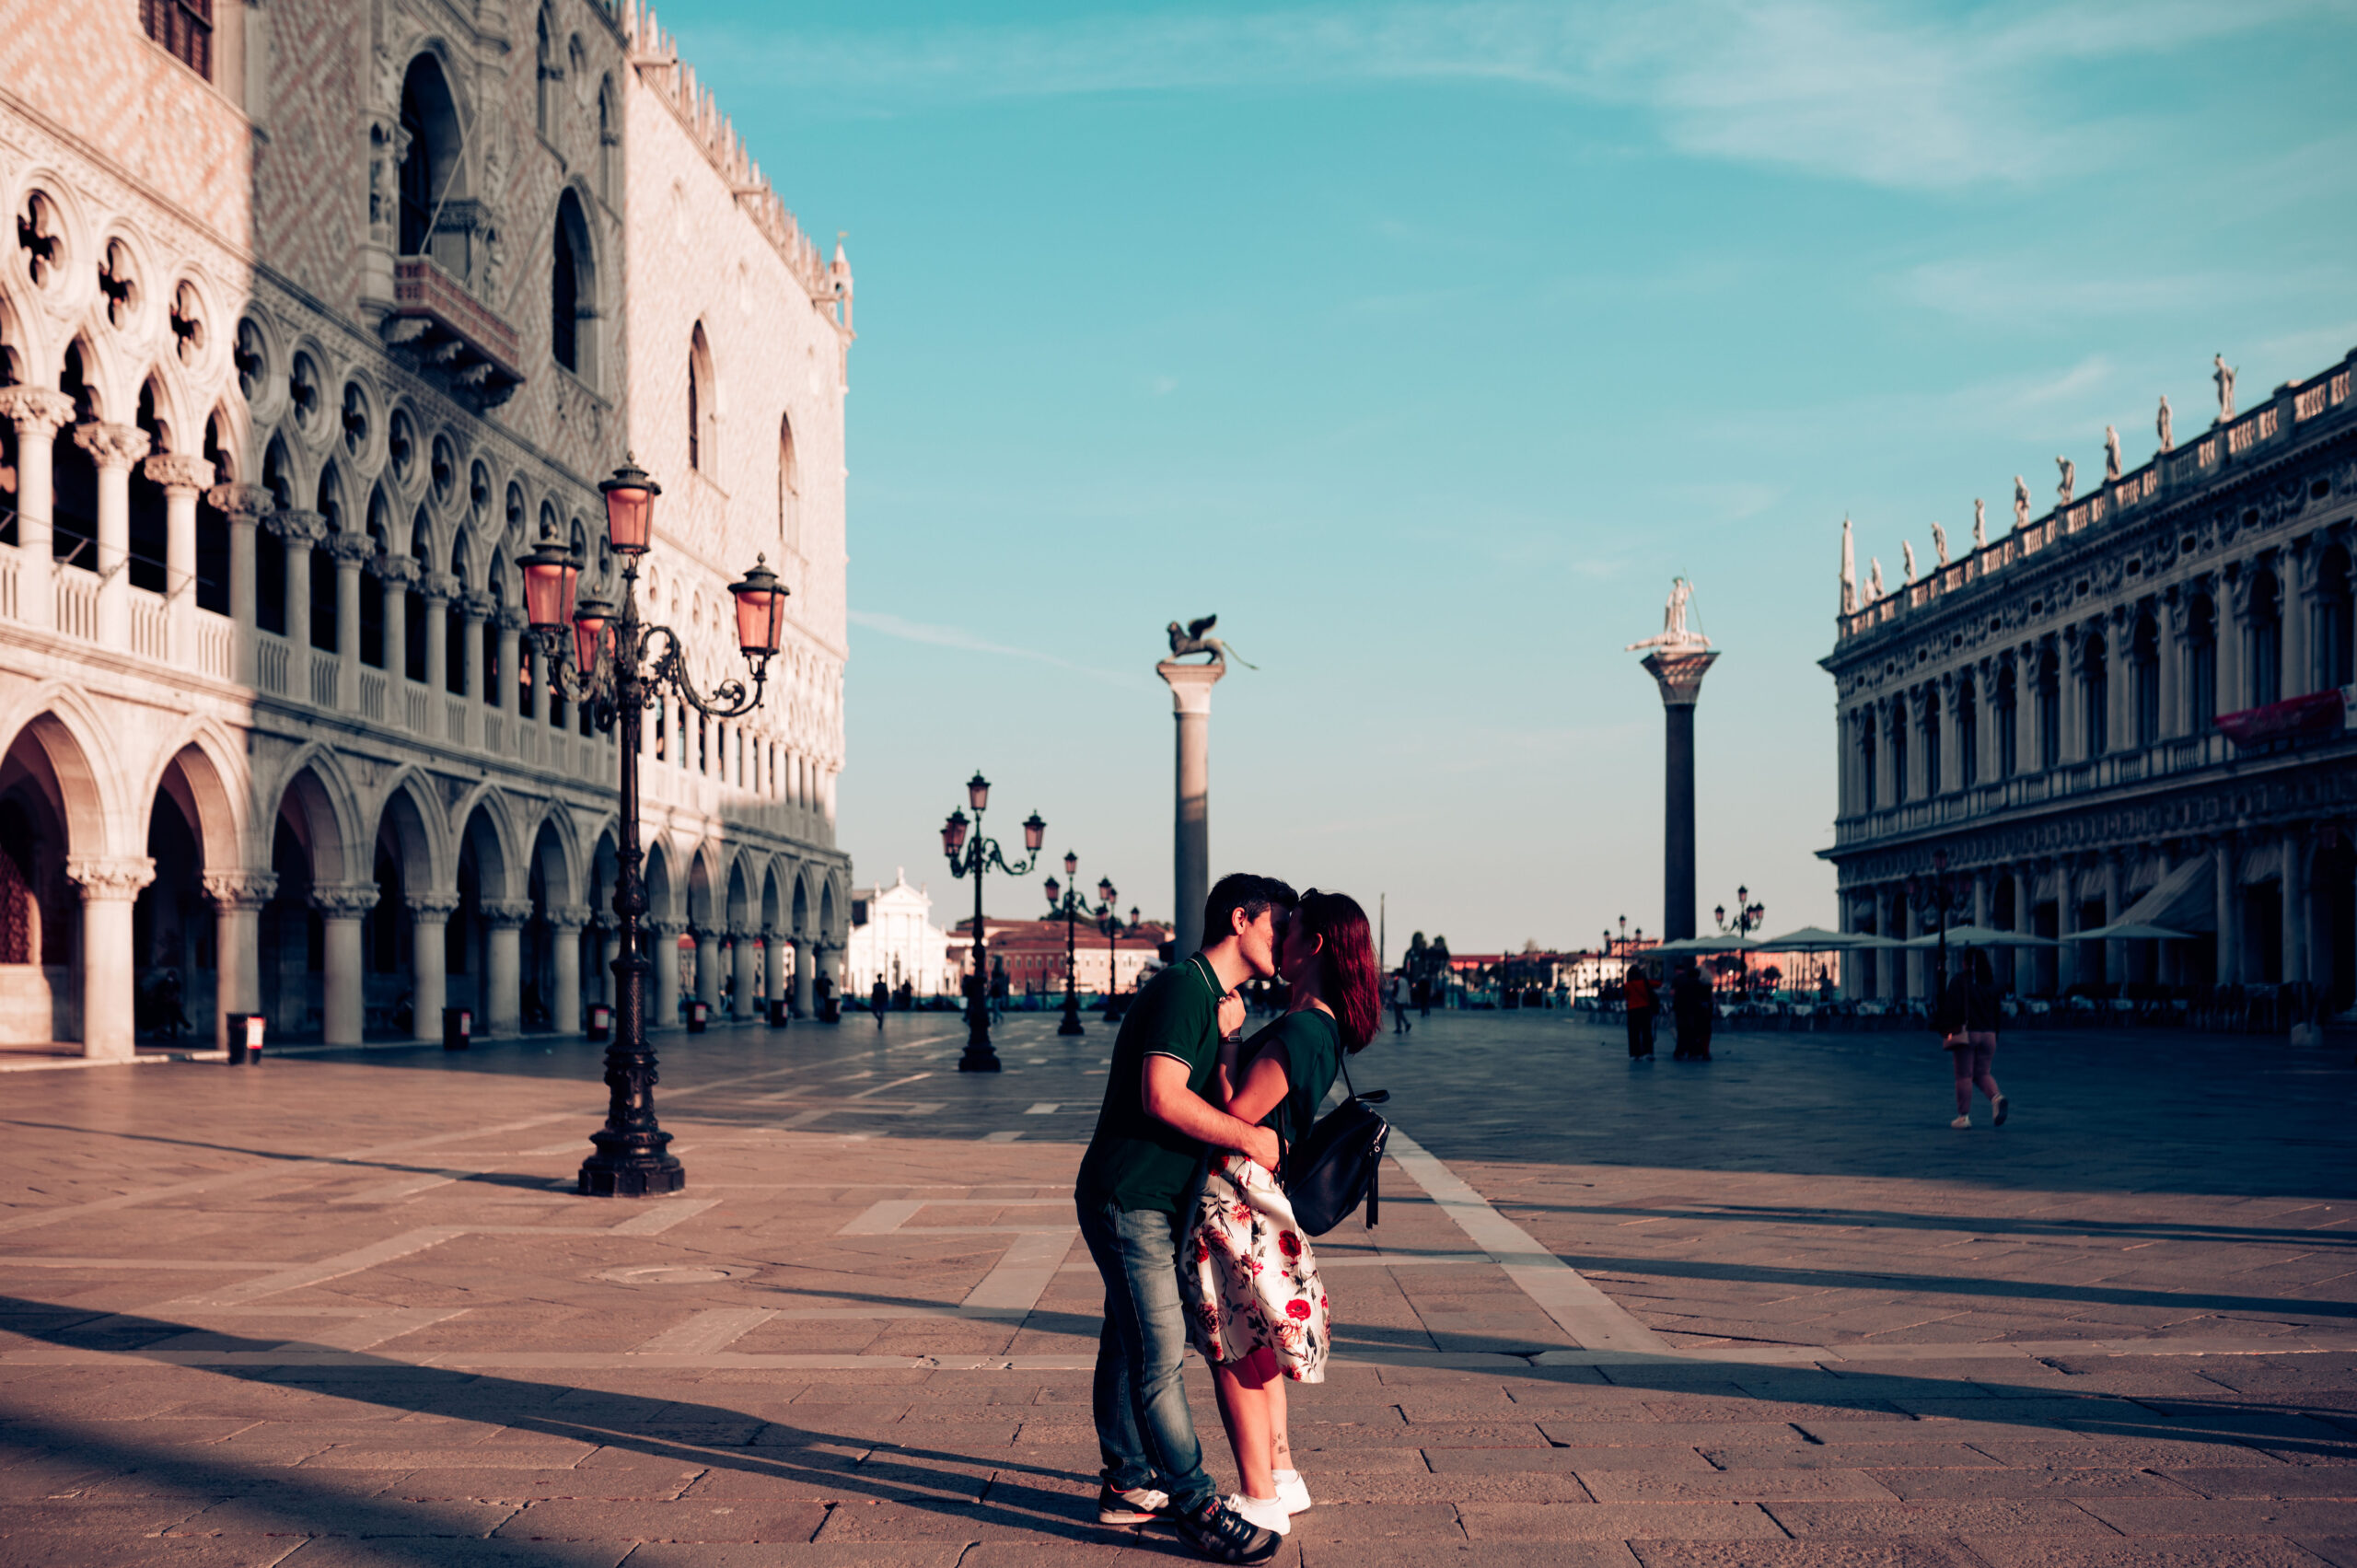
(1244, 1410)
(1280, 1445)
(1983, 1053)
(1963, 1055)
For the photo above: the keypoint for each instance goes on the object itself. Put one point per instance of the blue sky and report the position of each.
(1424, 343)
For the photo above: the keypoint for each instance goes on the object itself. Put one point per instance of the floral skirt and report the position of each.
(1248, 1276)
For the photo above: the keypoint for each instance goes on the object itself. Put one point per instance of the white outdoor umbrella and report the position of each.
(2130, 931)
(1981, 936)
(1816, 940)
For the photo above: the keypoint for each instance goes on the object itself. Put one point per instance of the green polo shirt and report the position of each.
(1137, 1161)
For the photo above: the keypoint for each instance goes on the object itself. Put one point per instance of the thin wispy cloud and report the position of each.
(1851, 89)
(885, 624)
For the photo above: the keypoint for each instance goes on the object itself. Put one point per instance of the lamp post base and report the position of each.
(979, 1058)
(627, 1176)
(1071, 1024)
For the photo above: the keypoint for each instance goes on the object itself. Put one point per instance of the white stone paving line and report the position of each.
(1594, 1319)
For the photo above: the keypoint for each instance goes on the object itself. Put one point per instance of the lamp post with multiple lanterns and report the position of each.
(1750, 916)
(1072, 906)
(619, 667)
(973, 859)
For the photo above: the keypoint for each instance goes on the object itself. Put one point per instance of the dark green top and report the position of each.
(1136, 1161)
(1311, 1045)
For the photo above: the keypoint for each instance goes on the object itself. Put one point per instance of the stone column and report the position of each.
(2295, 891)
(2066, 924)
(2295, 573)
(238, 900)
(350, 550)
(37, 413)
(244, 505)
(708, 967)
(113, 448)
(2119, 723)
(1983, 897)
(394, 574)
(475, 608)
(182, 478)
(2115, 888)
(296, 529)
(565, 922)
(805, 974)
(429, 926)
(663, 946)
(342, 908)
(1951, 779)
(503, 1000)
(2230, 910)
(773, 965)
(1191, 704)
(1679, 675)
(109, 967)
(2233, 596)
(438, 588)
(509, 621)
(2173, 656)
(747, 966)
(2025, 759)
(2074, 696)
(1891, 921)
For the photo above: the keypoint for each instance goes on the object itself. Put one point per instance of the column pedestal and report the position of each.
(1191, 704)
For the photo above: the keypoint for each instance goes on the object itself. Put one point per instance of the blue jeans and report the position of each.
(1144, 1428)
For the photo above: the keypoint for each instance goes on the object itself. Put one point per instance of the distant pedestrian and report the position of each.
(998, 989)
(1399, 1024)
(879, 998)
(1637, 999)
(1422, 991)
(1690, 1002)
(1967, 1018)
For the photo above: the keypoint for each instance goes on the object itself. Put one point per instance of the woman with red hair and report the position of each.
(1255, 1306)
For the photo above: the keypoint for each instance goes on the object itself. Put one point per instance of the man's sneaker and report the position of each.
(1269, 1513)
(1138, 1506)
(2001, 1108)
(1220, 1533)
(1293, 1491)
(1961, 1121)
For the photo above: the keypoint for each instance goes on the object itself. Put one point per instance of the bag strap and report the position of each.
(1346, 1076)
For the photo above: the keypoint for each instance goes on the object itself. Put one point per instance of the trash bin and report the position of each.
(245, 1034)
(699, 1014)
(601, 1021)
(458, 1027)
(781, 1012)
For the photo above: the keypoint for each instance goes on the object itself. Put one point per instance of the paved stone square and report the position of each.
(344, 1308)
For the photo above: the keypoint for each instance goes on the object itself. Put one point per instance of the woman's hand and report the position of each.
(1231, 1014)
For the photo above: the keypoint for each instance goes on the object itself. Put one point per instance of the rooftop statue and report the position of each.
(1907, 558)
(1849, 570)
(2111, 470)
(1190, 640)
(2021, 502)
(2160, 422)
(2225, 375)
(1874, 583)
(2070, 479)
(1676, 636)
(1979, 523)
(1940, 544)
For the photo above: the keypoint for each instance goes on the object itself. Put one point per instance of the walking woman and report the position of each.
(1255, 1307)
(1968, 1016)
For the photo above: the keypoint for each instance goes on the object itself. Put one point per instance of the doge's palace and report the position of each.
(316, 315)
(2132, 709)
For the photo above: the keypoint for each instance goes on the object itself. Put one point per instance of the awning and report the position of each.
(2185, 899)
(1816, 940)
(2131, 931)
(1980, 937)
(2314, 717)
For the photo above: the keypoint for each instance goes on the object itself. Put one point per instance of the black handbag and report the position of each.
(1329, 1173)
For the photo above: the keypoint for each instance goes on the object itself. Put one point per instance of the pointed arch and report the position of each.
(485, 823)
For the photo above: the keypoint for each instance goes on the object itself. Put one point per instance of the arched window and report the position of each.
(609, 125)
(2266, 640)
(1967, 730)
(1934, 781)
(270, 558)
(149, 529)
(73, 502)
(1899, 753)
(372, 593)
(213, 523)
(703, 452)
(430, 165)
(1867, 743)
(2008, 716)
(789, 488)
(454, 622)
(2144, 662)
(421, 550)
(2334, 665)
(2094, 667)
(572, 293)
(548, 72)
(2050, 708)
(2201, 662)
(323, 605)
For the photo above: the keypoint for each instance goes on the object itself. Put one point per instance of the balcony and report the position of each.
(450, 333)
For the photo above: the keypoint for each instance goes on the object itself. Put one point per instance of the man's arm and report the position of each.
(1169, 1101)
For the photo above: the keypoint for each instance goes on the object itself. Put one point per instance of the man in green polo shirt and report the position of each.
(1155, 1127)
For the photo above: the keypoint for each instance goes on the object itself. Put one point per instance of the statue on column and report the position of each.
(1676, 636)
(1979, 523)
(2070, 479)
(2225, 375)
(1940, 545)
(2111, 469)
(1191, 640)
(2021, 502)
(1849, 570)
(2161, 423)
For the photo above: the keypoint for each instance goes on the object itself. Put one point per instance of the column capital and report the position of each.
(240, 890)
(438, 587)
(1191, 684)
(295, 526)
(398, 571)
(432, 906)
(344, 901)
(1679, 676)
(508, 618)
(507, 911)
(110, 878)
(178, 470)
(41, 411)
(242, 503)
(111, 445)
(351, 549)
(570, 917)
(476, 604)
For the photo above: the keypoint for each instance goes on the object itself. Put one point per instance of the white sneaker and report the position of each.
(1293, 1491)
(1961, 1121)
(1266, 1512)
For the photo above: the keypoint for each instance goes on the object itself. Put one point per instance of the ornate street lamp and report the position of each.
(1750, 916)
(608, 659)
(974, 857)
(1068, 901)
(1935, 898)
